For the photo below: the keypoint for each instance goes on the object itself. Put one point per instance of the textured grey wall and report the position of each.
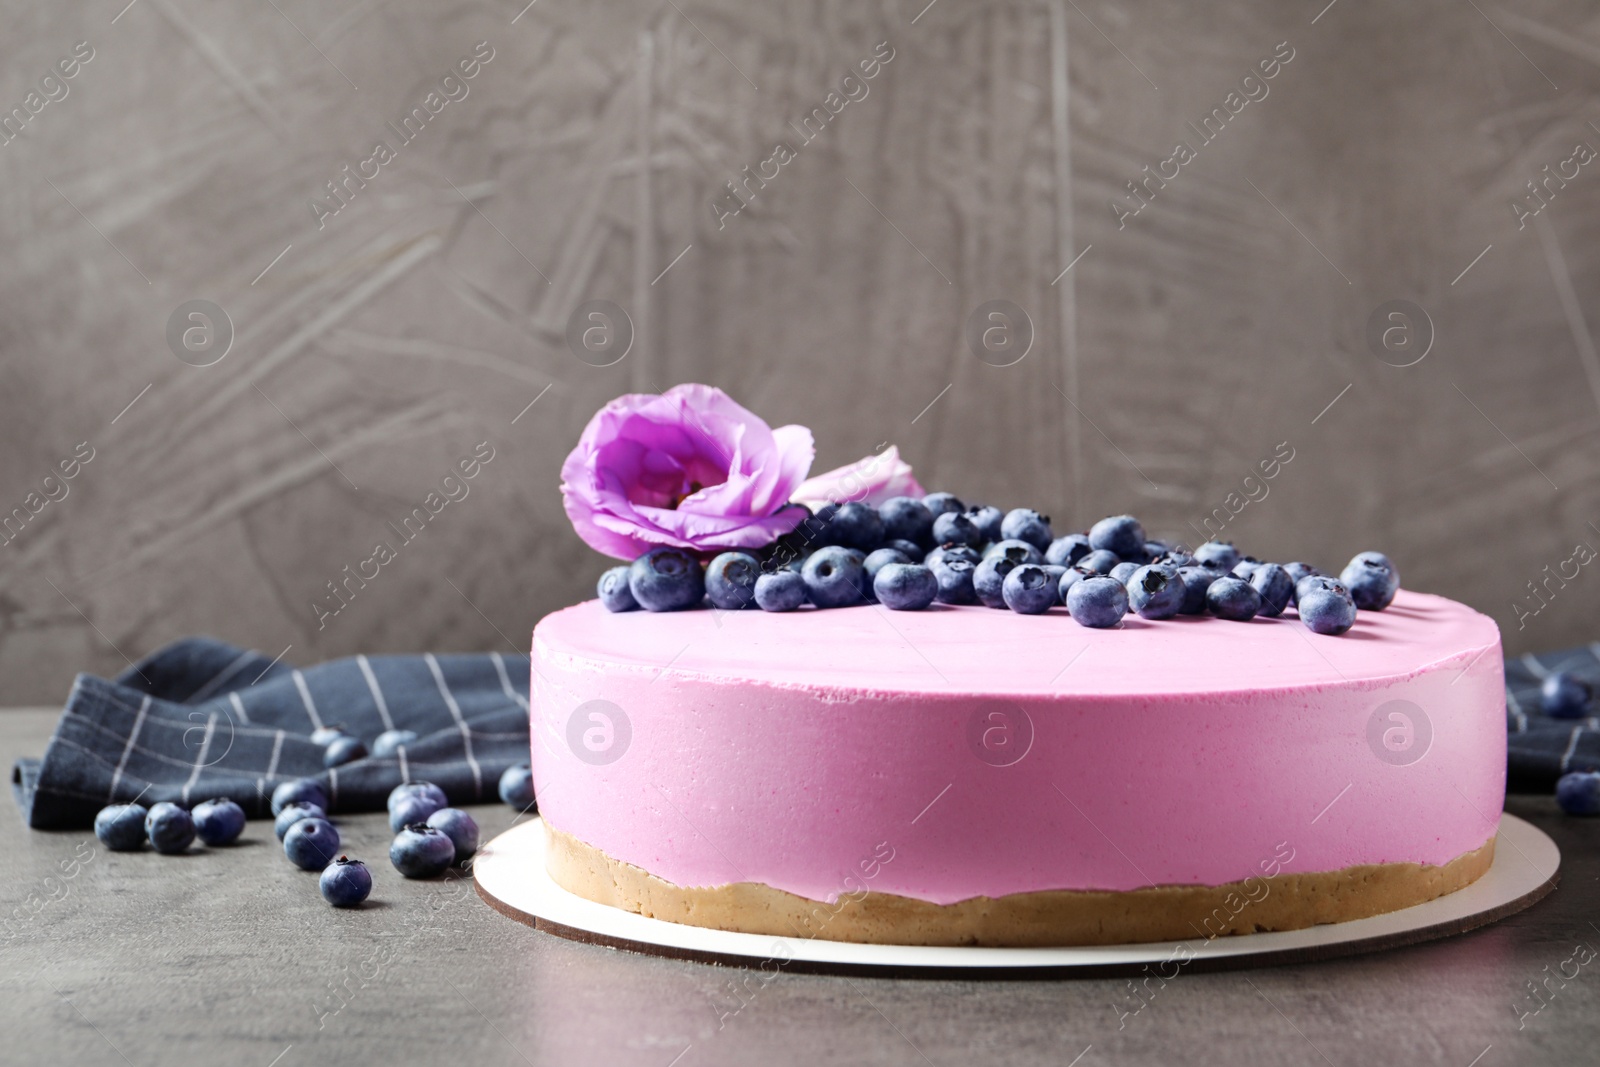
(378, 345)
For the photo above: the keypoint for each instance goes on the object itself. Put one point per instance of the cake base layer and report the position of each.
(1018, 920)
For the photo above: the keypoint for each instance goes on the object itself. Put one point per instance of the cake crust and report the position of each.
(1284, 901)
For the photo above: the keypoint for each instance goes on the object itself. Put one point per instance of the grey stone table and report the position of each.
(231, 957)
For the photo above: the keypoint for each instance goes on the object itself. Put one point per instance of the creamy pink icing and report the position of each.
(797, 750)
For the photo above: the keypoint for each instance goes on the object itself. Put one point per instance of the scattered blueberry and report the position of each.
(1123, 571)
(1155, 591)
(988, 580)
(1028, 589)
(905, 586)
(420, 851)
(1372, 580)
(413, 807)
(1017, 551)
(988, 521)
(943, 503)
(954, 528)
(1275, 586)
(857, 525)
(1177, 557)
(120, 827)
(1056, 574)
(1097, 601)
(1067, 551)
(912, 550)
(1578, 793)
(1070, 577)
(425, 788)
(1325, 610)
(1233, 598)
(293, 814)
(1196, 580)
(311, 844)
(1218, 555)
(1025, 524)
(966, 552)
(819, 527)
(954, 574)
(219, 821)
(1245, 567)
(345, 882)
(614, 592)
(1565, 696)
(731, 580)
(906, 519)
(1297, 571)
(1100, 561)
(327, 735)
(391, 741)
(783, 591)
(169, 828)
(1154, 550)
(342, 750)
(308, 790)
(881, 558)
(1121, 534)
(460, 828)
(667, 579)
(516, 786)
(835, 577)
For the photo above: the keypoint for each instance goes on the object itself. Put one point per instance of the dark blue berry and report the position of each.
(1028, 589)
(169, 828)
(1025, 524)
(614, 592)
(875, 562)
(516, 786)
(1121, 534)
(954, 528)
(857, 526)
(420, 851)
(731, 580)
(389, 742)
(1297, 571)
(413, 807)
(988, 521)
(1314, 582)
(1233, 599)
(460, 828)
(954, 574)
(1218, 555)
(428, 789)
(1124, 571)
(910, 549)
(835, 577)
(1565, 696)
(905, 586)
(1017, 551)
(299, 790)
(783, 591)
(1100, 561)
(1578, 793)
(342, 750)
(1097, 601)
(1275, 586)
(293, 814)
(1056, 574)
(989, 577)
(667, 579)
(1070, 577)
(219, 821)
(906, 519)
(943, 503)
(1176, 556)
(1067, 551)
(1245, 567)
(120, 827)
(345, 882)
(1155, 591)
(1326, 610)
(1372, 580)
(1154, 550)
(311, 844)
(1196, 580)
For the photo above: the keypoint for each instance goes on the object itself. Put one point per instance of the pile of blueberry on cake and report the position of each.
(909, 553)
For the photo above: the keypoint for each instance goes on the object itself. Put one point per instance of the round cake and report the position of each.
(965, 776)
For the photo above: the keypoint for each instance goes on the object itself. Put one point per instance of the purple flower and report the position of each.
(689, 468)
(872, 480)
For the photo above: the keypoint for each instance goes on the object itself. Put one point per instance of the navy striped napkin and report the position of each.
(201, 719)
(1542, 749)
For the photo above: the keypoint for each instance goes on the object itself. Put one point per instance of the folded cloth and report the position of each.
(201, 719)
(1541, 749)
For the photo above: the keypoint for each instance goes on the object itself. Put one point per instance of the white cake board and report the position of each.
(510, 875)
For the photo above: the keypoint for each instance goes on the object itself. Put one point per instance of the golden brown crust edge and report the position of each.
(1051, 917)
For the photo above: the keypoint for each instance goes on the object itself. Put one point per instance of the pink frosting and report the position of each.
(797, 750)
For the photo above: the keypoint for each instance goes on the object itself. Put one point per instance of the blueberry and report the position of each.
(943, 503)
(1121, 534)
(906, 518)
(1100, 561)
(391, 741)
(1067, 551)
(460, 828)
(966, 552)
(169, 828)
(858, 526)
(876, 561)
(905, 586)
(1372, 580)
(1028, 589)
(667, 579)
(613, 591)
(1275, 586)
(425, 788)
(1325, 610)
(1154, 550)
(1313, 582)
(1196, 580)
(307, 790)
(120, 827)
(1070, 577)
(988, 521)
(516, 786)
(988, 580)
(731, 580)
(219, 821)
(1565, 696)
(1245, 567)
(1233, 598)
(835, 577)
(311, 844)
(1097, 601)
(1296, 572)
(954, 528)
(783, 591)
(327, 735)
(1056, 574)
(345, 882)
(1218, 555)
(1025, 524)
(1017, 551)
(342, 750)
(909, 549)
(413, 807)
(954, 574)
(1155, 591)
(1177, 557)
(818, 529)
(1578, 793)
(420, 851)
(294, 813)
(1124, 571)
